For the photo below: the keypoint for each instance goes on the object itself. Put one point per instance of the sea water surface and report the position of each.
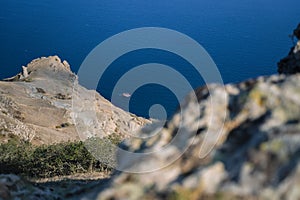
(245, 38)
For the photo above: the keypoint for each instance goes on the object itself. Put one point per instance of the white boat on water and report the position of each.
(127, 95)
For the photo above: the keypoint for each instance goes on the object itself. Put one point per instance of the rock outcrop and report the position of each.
(38, 105)
(291, 63)
(255, 157)
(297, 32)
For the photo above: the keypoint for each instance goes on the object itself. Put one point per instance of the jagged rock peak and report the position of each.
(44, 66)
(54, 61)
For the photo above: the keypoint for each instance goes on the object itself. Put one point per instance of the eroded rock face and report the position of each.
(255, 157)
(291, 63)
(37, 105)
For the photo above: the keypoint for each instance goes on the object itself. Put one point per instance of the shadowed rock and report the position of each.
(297, 32)
(291, 63)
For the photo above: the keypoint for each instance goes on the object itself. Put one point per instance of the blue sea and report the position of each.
(245, 38)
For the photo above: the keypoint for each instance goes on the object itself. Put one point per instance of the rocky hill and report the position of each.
(255, 154)
(36, 105)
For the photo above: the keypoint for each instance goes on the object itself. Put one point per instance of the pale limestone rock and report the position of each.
(297, 47)
(34, 115)
(66, 64)
(25, 72)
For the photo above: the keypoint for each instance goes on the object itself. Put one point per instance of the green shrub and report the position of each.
(22, 158)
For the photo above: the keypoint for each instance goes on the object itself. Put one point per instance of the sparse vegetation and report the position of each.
(63, 125)
(28, 80)
(40, 90)
(63, 96)
(23, 158)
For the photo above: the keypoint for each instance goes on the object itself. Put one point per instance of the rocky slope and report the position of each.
(243, 144)
(36, 105)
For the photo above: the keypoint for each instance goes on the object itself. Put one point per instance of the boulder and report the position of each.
(256, 155)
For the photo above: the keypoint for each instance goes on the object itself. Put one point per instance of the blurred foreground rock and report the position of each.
(12, 187)
(255, 155)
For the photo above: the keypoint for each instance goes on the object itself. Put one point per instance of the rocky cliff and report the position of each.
(255, 135)
(36, 105)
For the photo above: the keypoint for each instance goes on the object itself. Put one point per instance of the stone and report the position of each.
(4, 192)
(66, 64)
(25, 72)
(297, 48)
(257, 148)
